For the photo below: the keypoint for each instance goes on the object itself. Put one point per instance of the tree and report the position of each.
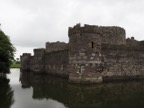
(17, 60)
(6, 53)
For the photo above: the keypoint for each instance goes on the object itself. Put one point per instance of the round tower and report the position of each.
(84, 54)
(86, 63)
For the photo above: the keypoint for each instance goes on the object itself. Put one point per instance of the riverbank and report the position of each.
(15, 65)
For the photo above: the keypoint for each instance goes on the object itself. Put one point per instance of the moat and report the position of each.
(26, 90)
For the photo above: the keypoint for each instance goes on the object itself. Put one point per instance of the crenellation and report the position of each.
(56, 46)
(39, 51)
(108, 34)
(26, 54)
(132, 42)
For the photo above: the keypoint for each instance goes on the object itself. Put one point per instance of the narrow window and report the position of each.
(92, 45)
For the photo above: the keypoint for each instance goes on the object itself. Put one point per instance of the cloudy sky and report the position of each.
(31, 23)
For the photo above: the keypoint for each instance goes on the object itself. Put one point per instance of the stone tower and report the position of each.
(84, 54)
(25, 61)
(38, 62)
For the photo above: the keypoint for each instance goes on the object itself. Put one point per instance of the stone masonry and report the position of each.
(94, 54)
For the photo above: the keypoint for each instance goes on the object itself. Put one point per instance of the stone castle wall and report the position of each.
(37, 61)
(94, 54)
(109, 34)
(25, 61)
(56, 46)
(123, 63)
(84, 54)
(56, 63)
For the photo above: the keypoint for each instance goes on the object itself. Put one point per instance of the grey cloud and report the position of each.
(52, 18)
(31, 23)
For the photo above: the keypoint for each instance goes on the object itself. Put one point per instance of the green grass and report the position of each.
(15, 65)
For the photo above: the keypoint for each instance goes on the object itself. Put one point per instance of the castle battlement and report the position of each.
(108, 34)
(56, 46)
(95, 29)
(39, 51)
(26, 54)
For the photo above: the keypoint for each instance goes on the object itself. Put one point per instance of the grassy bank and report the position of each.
(15, 65)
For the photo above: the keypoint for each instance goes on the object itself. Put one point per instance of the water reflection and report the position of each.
(108, 95)
(6, 93)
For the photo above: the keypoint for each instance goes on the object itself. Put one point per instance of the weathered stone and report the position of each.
(92, 58)
(79, 57)
(93, 54)
(84, 57)
(82, 54)
(56, 46)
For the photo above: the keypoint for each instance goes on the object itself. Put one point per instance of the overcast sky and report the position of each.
(31, 23)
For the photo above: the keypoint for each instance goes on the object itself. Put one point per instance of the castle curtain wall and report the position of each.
(94, 54)
(123, 63)
(56, 63)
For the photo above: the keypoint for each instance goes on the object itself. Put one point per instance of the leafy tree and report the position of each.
(6, 53)
(17, 60)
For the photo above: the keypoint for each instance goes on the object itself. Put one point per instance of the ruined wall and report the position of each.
(132, 42)
(109, 34)
(93, 54)
(92, 60)
(56, 46)
(84, 55)
(56, 63)
(123, 62)
(25, 61)
(37, 63)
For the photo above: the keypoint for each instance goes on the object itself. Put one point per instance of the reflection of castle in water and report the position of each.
(106, 95)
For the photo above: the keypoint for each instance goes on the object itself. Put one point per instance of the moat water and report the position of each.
(25, 90)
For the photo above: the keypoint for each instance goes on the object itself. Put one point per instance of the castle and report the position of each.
(94, 54)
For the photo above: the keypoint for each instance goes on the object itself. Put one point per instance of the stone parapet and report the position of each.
(109, 34)
(56, 46)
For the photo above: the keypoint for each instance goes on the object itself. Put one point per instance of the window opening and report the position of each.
(92, 44)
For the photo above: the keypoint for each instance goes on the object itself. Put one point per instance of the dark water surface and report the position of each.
(26, 90)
